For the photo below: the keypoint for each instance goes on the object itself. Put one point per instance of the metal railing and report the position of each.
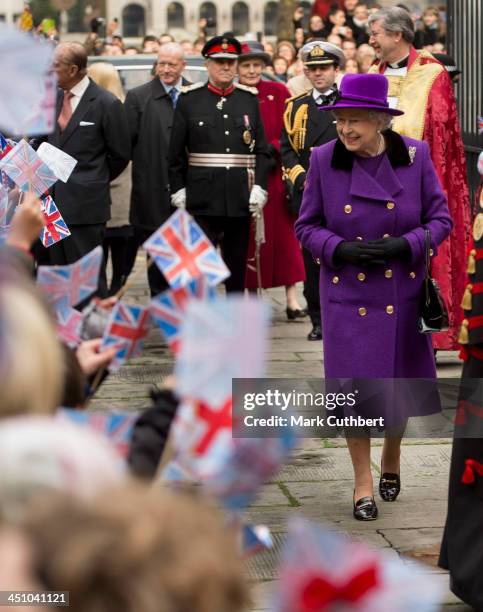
(465, 34)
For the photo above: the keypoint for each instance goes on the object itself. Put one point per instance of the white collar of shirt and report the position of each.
(318, 94)
(80, 89)
(176, 86)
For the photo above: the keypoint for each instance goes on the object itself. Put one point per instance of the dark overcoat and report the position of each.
(369, 315)
(97, 136)
(150, 116)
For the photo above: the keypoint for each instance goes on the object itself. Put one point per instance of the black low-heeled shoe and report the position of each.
(389, 486)
(295, 313)
(365, 509)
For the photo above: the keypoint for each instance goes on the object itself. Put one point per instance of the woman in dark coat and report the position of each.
(462, 548)
(368, 199)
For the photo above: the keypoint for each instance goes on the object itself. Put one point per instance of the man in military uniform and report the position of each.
(218, 161)
(305, 128)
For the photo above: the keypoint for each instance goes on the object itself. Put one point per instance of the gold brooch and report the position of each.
(412, 154)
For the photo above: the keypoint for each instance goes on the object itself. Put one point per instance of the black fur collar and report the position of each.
(396, 150)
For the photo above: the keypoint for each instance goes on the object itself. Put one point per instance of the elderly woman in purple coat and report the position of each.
(369, 196)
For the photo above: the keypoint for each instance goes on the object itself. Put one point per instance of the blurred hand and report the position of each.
(106, 303)
(89, 357)
(27, 222)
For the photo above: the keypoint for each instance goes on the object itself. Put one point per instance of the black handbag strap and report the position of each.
(427, 250)
(427, 265)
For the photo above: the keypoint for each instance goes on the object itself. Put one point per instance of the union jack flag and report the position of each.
(55, 228)
(480, 124)
(126, 329)
(68, 326)
(27, 170)
(182, 252)
(69, 285)
(5, 147)
(168, 308)
(117, 426)
(256, 538)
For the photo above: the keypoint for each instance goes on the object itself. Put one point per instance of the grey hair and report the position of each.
(172, 47)
(395, 19)
(384, 119)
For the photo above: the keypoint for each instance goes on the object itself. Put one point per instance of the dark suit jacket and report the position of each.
(150, 116)
(320, 128)
(101, 147)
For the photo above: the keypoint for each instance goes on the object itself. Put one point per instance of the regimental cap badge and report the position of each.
(224, 45)
(317, 51)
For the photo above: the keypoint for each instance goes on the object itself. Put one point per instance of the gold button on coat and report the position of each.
(362, 312)
(361, 276)
(390, 205)
(347, 208)
(431, 252)
(386, 235)
(389, 309)
(335, 280)
(388, 273)
(359, 238)
(412, 274)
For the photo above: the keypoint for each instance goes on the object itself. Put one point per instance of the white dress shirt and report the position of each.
(317, 95)
(78, 91)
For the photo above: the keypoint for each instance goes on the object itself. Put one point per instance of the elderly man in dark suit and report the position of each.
(150, 110)
(91, 127)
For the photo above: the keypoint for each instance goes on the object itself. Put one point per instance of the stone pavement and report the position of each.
(317, 483)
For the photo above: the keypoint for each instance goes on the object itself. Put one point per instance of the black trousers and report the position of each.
(311, 287)
(156, 280)
(83, 239)
(231, 235)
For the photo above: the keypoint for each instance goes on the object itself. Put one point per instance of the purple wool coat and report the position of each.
(369, 314)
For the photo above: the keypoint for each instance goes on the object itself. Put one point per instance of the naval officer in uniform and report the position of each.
(305, 128)
(219, 161)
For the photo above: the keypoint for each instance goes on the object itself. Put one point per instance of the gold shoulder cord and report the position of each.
(296, 132)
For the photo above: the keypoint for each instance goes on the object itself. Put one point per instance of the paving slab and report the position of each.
(317, 482)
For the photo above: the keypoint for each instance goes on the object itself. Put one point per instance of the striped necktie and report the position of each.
(173, 94)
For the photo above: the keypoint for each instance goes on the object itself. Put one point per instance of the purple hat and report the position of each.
(368, 91)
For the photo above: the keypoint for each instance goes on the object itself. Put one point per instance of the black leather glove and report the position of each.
(359, 253)
(392, 248)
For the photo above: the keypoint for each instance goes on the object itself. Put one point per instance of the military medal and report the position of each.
(478, 227)
(247, 134)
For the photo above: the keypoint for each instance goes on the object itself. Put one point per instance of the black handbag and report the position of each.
(433, 314)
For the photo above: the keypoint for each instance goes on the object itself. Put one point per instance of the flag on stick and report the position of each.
(182, 252)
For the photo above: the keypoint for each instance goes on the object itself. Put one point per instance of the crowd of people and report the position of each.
(343, 169)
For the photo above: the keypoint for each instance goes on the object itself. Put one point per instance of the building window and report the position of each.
(208, 12)
(175, 15)
(133, 20)
(270, 16)
(240, 19)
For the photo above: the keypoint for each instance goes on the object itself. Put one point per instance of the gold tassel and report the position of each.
(472, 262)
(463, 337)
(466, 302)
